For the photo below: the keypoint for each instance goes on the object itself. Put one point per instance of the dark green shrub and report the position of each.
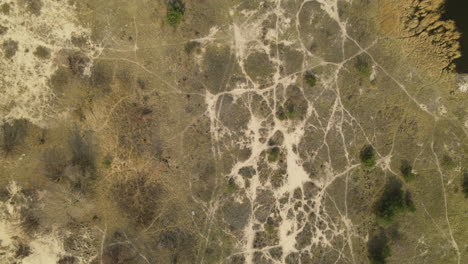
(367, 156)
(175, 12)
(291, 111)
(392, 202)
(280, 114)
(363, 67)
(407, 170)
(107, 163)
(310, 79)
(378, 249)
(273, 154)
(231, 185)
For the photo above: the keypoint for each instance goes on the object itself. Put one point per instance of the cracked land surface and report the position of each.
(232, 131)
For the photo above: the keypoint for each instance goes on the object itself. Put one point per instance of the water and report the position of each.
(457, 10)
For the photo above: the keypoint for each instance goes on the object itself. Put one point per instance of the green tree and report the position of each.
(175, 12)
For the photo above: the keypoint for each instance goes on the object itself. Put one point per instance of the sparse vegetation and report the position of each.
(42, 52)
(77, 63)
(6, 8)
(273, 154)
(392, 202)
(68, 260)
(22, 251)
(367, 156)
(175, 12)
(29, 221)
(191, 46)
(83, 155)
(9, 48)
(310, 79)
(465, 183)
(378, 249)
(3, 30)
(139, 197)
(55, 163)
(447, 162)
(34, 6)
(407, 170)
(12, 134)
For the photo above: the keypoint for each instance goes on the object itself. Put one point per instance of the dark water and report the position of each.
(458, 10)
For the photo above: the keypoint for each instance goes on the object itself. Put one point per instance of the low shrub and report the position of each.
(367, 156)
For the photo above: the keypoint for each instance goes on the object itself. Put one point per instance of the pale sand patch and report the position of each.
(24, 77)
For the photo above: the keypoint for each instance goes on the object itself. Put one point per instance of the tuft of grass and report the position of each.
(175, 12)
(367, 156)
(392, 202)
(407, 171)
(273, 154)
(310, 79)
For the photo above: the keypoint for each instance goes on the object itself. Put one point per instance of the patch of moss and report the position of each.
(175, 12)
(273, 154)
(367, 156)
(310, 79)
(392, 202)
(407, 171)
